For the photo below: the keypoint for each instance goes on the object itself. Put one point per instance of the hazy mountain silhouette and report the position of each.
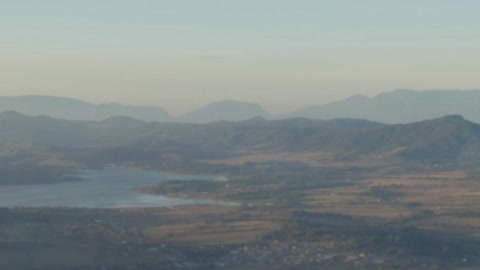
(227, 110)
(401, 106)
(73, 109)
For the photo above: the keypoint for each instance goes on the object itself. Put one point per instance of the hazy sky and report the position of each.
(285, 54)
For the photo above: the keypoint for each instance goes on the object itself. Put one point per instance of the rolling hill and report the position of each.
(446, 139)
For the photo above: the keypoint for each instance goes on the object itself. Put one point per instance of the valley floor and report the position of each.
(333, 218)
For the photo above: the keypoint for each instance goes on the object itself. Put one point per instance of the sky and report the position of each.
(284, 54)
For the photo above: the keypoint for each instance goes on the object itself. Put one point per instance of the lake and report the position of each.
(107, 188)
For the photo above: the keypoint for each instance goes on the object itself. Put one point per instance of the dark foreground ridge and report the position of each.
(122, 139)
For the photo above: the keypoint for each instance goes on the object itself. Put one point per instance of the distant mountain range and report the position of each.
(74, 109)
(400, 106)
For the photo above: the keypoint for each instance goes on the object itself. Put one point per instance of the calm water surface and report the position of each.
(107, 188)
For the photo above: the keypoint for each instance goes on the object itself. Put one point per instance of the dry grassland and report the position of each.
(217, 233)
(313, 159)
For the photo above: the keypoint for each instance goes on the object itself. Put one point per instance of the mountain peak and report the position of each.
(123, 121)
(357, 98)
(226, 110)
(453, 118)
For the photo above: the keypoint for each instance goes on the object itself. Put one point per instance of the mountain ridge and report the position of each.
(399, 106)
(225, 110)
(395, 107)
(446, 139)
(75, 109)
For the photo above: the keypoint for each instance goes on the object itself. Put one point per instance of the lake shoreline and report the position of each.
(110, 188)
